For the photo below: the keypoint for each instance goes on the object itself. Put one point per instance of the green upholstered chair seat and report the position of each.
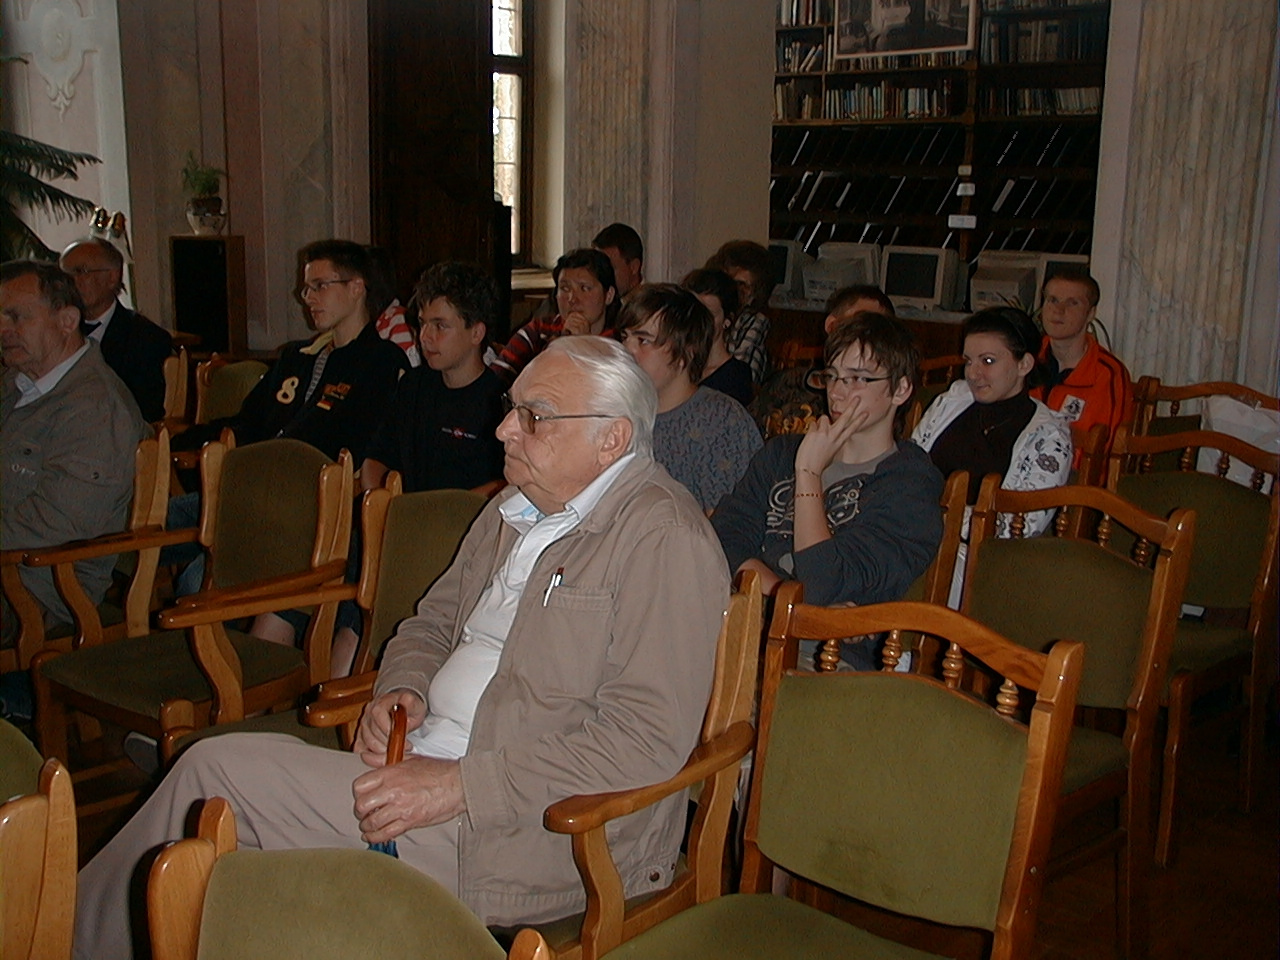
(333, 905)
(1091, 755)
(1198, 646)
(20, 763)
(139, 674)
(747, 926)
(286, 722)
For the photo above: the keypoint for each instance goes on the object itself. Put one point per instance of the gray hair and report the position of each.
(622, 389)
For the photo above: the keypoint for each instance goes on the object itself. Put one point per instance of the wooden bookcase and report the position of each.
(875, 150)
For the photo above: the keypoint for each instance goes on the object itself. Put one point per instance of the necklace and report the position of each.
(986, 431)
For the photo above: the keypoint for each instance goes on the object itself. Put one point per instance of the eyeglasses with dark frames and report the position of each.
(529, 420)
(320, 286)
(826, 379)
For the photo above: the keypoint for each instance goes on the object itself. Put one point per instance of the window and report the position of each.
(513, 116)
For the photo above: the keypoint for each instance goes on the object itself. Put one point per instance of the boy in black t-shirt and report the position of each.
(439, 431)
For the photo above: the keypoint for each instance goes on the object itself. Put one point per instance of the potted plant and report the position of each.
(202, 184)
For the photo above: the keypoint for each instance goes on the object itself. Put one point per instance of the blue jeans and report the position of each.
(184, 511)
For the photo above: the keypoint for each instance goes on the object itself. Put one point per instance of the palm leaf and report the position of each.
(31, 156)
(25, 165)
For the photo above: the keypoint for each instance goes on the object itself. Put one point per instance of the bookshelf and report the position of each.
(877, 149)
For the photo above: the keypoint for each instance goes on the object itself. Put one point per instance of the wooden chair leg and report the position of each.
(1178, 726)
(51, 715)
(1257, 689)
(1133, 877)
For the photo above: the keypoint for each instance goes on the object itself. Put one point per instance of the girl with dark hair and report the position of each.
(987, 422)
(723, 372)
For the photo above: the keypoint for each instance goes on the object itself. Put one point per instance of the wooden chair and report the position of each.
(844, 818)
(1150, 393)
(141, 540)
(222, 385)
(276, 520)
(725, 729)
(176, 372)
(1233, 576)
(1060, 586)
(37, 854)
(207, 899)
(934, 585)
(409, 540)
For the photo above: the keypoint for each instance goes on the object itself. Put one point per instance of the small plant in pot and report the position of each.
(202, 185)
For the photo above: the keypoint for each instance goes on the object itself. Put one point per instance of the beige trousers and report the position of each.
(285, 794)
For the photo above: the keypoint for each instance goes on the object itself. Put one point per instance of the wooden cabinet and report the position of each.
(209, 292)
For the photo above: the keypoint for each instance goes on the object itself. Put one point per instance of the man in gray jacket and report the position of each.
(68, 430)
(568, 649)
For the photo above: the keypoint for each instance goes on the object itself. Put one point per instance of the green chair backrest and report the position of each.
(228, 386)
(1042, 589)
(333, 905)
(1231, 530)
(423, 531)
(267, 511)
(20, 763)
(894, 790)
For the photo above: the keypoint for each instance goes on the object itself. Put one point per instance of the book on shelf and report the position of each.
(1040, 41)
(805, 13)
(997, 6)
(1044, 102)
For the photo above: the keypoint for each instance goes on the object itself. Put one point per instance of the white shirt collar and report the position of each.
(33, 390)
(519, 511)
(103, 321)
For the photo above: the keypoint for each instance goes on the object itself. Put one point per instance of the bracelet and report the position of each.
(819, 495)
(810, 473)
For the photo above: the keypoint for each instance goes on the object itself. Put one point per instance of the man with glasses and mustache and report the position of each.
(850, 509)
(569, 649)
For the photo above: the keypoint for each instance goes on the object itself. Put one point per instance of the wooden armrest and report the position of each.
(342, 688)
(125, 542)
(296, 582)
(340, 701)
(589, 811)
(179, 618)
(11, 558)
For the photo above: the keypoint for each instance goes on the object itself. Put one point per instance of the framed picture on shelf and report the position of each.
(875, 28)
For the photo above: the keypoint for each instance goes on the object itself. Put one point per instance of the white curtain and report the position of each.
(1195, 269)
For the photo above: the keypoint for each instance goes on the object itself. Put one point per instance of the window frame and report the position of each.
(522, 67)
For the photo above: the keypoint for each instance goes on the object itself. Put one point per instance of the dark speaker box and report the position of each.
(209, 292)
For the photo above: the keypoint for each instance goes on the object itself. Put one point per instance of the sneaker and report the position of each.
(143, 751)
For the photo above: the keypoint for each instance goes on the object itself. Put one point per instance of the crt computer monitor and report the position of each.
(920, 277)
(867, 255)
(1003, 286)
(789, 260)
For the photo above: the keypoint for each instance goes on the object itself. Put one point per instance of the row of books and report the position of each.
(998, 5)
(800, 56)
(1036, 41)
(1035, 102)
(828, 193)
(800, 13)
(887, 101)
(794, 102)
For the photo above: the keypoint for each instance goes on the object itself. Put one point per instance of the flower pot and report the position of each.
(206, 216)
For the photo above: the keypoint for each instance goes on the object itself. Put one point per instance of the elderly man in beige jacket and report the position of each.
(568, 649)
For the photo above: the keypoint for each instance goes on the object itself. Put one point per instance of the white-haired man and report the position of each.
(568, 649)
